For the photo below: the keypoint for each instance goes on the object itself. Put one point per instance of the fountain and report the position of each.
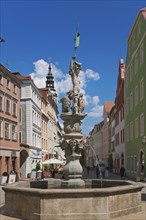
(73, 198)
(72, 114)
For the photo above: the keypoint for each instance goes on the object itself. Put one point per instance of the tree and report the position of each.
(38, 167)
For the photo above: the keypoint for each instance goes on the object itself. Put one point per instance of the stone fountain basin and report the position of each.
(119, 198)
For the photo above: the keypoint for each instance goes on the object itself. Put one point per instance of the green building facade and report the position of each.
(135, 99)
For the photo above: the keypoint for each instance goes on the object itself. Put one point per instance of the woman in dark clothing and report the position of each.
(122, 171)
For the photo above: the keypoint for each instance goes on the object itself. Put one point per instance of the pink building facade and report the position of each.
(9, 122)
(105, 131)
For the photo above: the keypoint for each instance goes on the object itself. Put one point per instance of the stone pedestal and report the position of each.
(72, 145)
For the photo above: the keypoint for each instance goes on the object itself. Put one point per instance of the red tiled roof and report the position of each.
(18, 75)
(108, 106)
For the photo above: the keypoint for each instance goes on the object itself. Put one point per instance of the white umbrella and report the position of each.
(53, 161)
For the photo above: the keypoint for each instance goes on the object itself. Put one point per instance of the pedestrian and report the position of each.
(88, 168)
(106, 172)
(97, 171)
(122, 172)
(102, 171)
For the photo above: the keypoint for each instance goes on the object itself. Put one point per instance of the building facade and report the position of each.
(112, 139)
(9, 122)
(135, 99)
(119, 159)
(44, 123)
(55, 130)
(30, 125)
(105, 131)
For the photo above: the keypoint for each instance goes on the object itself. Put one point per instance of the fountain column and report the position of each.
(72, 114)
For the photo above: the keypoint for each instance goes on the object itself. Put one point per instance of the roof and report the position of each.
(108, 106)
(19, 76)
(8, 73)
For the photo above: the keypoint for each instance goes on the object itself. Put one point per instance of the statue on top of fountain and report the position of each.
(74, 70)
(78, 102)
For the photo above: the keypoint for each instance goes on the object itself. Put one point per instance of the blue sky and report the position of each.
(37, 30)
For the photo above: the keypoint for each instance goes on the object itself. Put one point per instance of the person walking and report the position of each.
(122, 171)
(88, 168)
(97, 171)
(106, 172)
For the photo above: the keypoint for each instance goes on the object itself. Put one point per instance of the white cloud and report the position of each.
(92, 74)
(63, 83)
(96, 109)
(96, 112)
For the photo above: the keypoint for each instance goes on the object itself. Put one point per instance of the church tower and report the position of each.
(50, 80)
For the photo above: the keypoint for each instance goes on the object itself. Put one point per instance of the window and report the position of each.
(1, 128)
(7, 106)
(1, 79)
(135, 163)
(131, 131)
(136, 128)
(117, 119)
(1, 103)
(131, 101)
(136, 63)
(7, 130)
(131, 72)
(127, 106)
(123, 135)
(8, 83)
(136, 95)
(121, 114)
(127, 133)
(128, 163)
(14, 134)
(20, 137)
(20, 115)
(141, 89)
(14, 108)
(141, 55)
(142, 124)
(14, 88)
(132, 165)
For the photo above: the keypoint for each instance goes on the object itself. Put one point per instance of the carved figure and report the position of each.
(75, 68)
(75, 105)
(65, 104)
(81, 103)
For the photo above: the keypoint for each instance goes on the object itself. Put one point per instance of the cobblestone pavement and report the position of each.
(90, 175)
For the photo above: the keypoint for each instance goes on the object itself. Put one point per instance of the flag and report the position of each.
(77, 39)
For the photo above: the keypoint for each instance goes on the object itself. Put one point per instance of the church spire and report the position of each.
(50, 79)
